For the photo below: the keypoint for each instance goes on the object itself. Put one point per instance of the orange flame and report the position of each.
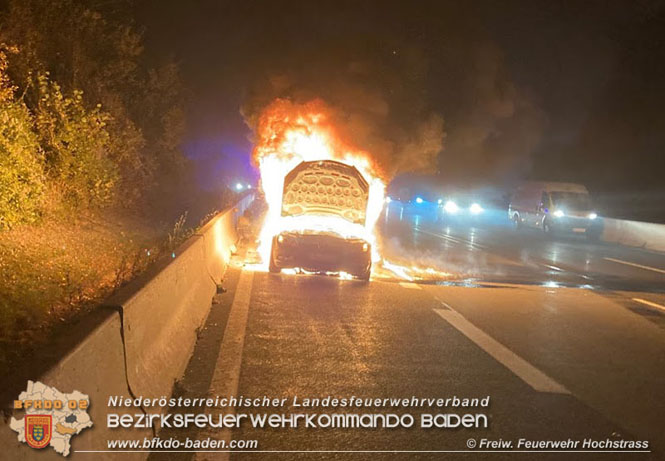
(289, 133)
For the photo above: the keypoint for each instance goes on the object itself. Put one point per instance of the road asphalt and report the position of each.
(564, 336)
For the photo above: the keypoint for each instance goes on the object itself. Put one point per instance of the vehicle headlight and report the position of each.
(419, 200)
(365, 247)
(280, 238)
(451, 207)
(388, 199)
(559, 214)
(476, 209)
(592, 215)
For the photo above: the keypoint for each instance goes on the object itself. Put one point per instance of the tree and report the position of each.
(88, 53)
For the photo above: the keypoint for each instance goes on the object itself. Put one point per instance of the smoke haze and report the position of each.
(480, 126)
(373, 108)
(526, 89)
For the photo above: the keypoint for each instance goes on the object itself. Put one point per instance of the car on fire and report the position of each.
(316, 196)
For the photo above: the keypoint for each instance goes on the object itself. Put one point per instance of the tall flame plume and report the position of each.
(287, 134)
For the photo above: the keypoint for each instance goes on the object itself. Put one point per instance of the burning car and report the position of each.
(323, 217)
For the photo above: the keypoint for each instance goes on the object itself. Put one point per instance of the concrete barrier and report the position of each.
(645, 235)
(162, 316)
(144, 340)
(220, 235)
(96, 368)
(161, 320)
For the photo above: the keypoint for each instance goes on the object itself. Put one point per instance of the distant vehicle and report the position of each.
(460, 205)
(317, 195)
(469, 206)
(554, 207)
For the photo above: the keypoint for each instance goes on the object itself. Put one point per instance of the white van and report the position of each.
(554, 207)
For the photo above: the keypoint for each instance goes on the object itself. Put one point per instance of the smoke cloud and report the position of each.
(494, 125)
(422, 93)
(380, 105)
(375, 107)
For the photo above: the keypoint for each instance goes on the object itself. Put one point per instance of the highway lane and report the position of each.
(558, 343)
(495, 251)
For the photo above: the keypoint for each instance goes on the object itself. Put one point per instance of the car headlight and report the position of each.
(451, 207)
(476, 209)
(419, 200)
(559, 214)
(592, 215)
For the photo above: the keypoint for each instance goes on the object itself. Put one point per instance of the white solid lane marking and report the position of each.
(649, 268)
(649, 303)
(227, 369)
(531, 375)
(413, 286)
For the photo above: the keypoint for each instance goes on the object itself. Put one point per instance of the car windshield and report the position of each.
(572, 200)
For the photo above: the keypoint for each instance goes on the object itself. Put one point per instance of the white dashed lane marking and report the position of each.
(649, 303)
(627, 263)
(531, 375)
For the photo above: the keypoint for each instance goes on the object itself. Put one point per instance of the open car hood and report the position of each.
(326, 188)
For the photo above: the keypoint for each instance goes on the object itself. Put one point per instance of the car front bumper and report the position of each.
(321, 252)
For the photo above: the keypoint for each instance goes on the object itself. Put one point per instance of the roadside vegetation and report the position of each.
(91, 171)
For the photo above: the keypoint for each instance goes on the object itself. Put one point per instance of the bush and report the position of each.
(76, 142)
(21, 159)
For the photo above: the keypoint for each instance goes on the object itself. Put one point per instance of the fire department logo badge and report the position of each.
(45, 417)
(38, 430)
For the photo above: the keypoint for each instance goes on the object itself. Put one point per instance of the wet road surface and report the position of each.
(558, 333)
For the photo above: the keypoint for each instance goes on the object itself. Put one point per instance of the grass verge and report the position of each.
(59, 269)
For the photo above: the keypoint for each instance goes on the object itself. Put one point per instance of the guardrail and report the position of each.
(144, 341)
(645, 235)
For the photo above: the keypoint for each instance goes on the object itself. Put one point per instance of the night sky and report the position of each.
(556, 90)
